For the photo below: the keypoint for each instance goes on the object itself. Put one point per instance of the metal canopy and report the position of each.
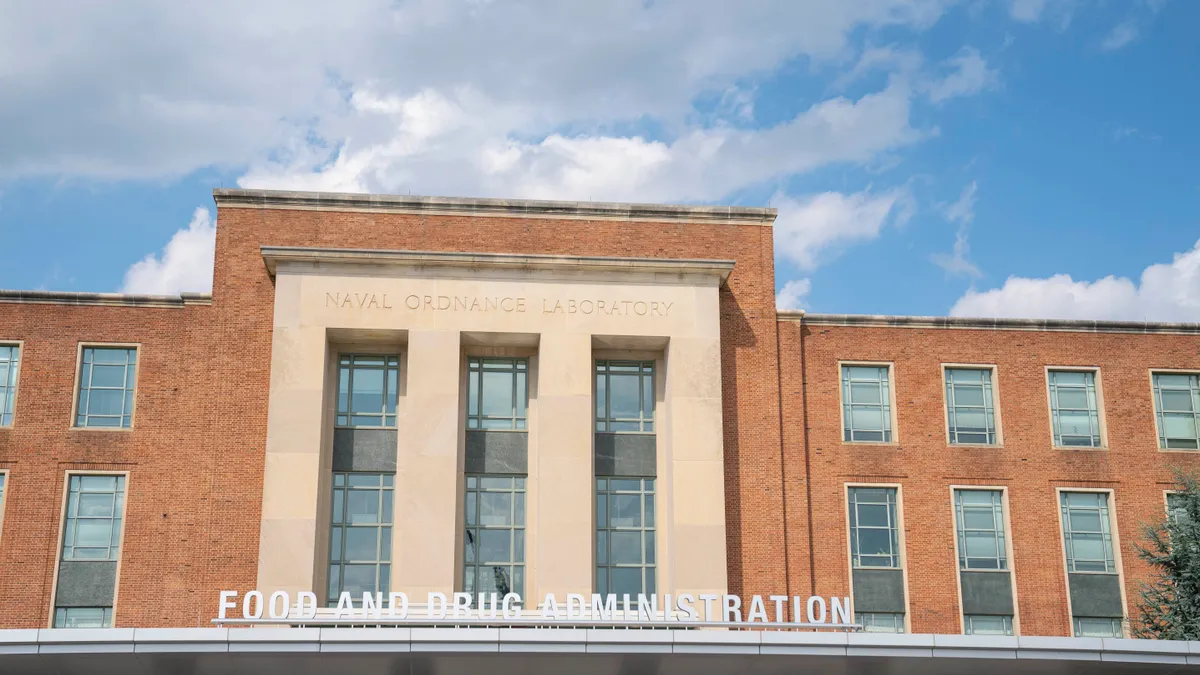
(552, 651)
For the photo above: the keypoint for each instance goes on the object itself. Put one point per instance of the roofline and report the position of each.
(273, 256)
(982, 323)
(511, 208)
(103, 299)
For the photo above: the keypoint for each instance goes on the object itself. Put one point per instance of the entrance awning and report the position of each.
(569, 651)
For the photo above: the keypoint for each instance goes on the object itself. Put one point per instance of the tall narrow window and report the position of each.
(969, 406)
(360, 535)
(1087, 532)
(980, 515)
(625, 555)
(10, 359)
(93, 524)
(866, 404)
(106, 384)
(91, 541)
(1075, 414)
(625, 396)
(874, 536)
(497, 393)
(368, 386)
(494, 559)
(1177, 407)
(2, 477)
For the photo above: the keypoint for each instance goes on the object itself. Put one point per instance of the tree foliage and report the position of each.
(1170, 602)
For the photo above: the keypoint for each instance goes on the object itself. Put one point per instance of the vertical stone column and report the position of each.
(291, 507)
(695, 463)
(561, 476)
(428, 468)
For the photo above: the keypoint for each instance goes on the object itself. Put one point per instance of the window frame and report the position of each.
(648, 569)
(515, 370)
(342, 561)
(352, 354)
(16, 387)
(1101, 422)
(960, 529)
(903, 624)
(523, 527)
(1008, 546)
(1158, 435)
(997, 421)
(901, 543)
(608, 420)
(1010, 623)
(61, 532)
(1116, 545)
(893, 417)
(5, 488)
(137, 382)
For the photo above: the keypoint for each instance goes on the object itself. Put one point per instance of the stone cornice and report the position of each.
(511, 208)
(273, 256)
(103, 299)
(966, 323)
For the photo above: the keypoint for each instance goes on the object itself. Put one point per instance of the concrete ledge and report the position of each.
(967, 323)
(103, 299)
(273, 256)
(511, 208)
(251, 651)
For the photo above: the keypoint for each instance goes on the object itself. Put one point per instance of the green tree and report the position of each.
(1170, 603)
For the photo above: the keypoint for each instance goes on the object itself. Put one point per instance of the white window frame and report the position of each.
(900, 536)
(894, 419)
(1062, 548)
(996, 414)
(1008, 546)
(137, 383)
(16, 388)
(1154, 406)
(1100, 416)
(61, 532)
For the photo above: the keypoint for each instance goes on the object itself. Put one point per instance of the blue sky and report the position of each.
(1002, 158)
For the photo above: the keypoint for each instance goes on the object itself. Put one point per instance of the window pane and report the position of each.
(498, 394)
(624, 544)
(495, 508)
(626, 510)
(873, 515)
(495, 545)
(626, 580)
(362, 543)
(358, 555)
(625, 547)
(875, 542)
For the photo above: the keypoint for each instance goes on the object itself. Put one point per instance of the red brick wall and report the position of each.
(195, 455)
(925, 465)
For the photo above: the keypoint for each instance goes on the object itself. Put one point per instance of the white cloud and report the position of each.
(820, 224)
(186, 263)
(1166, 292)
(969, 75)
(1121, 35)
(161, 89)
(793, 294)
(961, 211)
(437, 144)
(1026, 10)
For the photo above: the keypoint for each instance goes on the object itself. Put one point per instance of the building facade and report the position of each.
(439, 395)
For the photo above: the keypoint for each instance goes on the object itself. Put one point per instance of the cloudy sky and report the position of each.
(980, 158)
